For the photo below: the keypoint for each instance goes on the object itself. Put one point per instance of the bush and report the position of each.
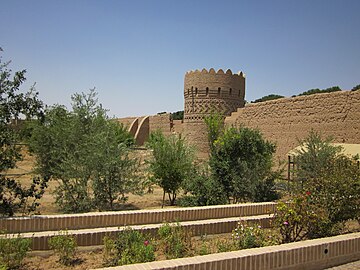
(12, 251)
(64, 245)
(296, 219)
(174, 241)
(332, 182)
(241, 160)
(204, 190)
(128, 247)
(249, 236)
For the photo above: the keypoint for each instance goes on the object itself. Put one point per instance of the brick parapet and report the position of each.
(311, 255)
(134, 217)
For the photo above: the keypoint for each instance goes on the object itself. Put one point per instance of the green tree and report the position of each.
(86, 154)
(318, 91)
(179, 115)
(314, 154)
(241, 161)
(215, 127)
(267, 98)
(171, 163)
(14, 105)
(357, 87)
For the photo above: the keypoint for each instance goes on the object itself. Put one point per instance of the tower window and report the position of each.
(196, 92)
(230, 91)
(219, 89)
(207, 91)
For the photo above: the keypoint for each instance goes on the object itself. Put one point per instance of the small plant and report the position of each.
(65, 246)
(12, 251)
(248, 236)
(204, 247)
(128, 247)
(225, 245)
(174, 241)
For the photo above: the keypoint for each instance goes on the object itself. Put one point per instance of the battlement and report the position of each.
(213, 84)
(219, 72)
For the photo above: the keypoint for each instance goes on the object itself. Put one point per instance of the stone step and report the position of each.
(94, 236)
(135, 217)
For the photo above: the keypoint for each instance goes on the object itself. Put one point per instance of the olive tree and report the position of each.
(171, 163)
(86, 153)
(14, 197)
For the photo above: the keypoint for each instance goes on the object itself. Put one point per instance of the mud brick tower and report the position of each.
(206, 92)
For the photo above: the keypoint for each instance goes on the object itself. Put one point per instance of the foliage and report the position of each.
(179, 115)
(265, 189)
(204, 190)
(13, 105)
(215, 128)
(87, 153)
(241, 159)
(128, 247)
(248, 236)
(318, 91)
(327, 194)
(314, 155)
(226, 245)
(357, 87)
(335, 193)
(295, 219)
(64, 245)
(267, 98)
(12, 251)
(174, 241)
(171, 163)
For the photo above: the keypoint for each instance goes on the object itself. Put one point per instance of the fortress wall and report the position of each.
(286, 120)
(160, 122)
(126, 121)
(178, 126)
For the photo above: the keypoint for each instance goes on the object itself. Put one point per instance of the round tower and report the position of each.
(206, 92)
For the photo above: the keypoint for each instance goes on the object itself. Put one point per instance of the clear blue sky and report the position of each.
(136, 52)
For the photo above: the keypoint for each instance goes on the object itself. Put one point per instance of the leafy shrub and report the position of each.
(204, 190)
(12, 251)
(241, 159)
(331, 182)
(297, 219)
(128, 247)
(225, 245)
(174, 241)
(248, 236)
(64, 245)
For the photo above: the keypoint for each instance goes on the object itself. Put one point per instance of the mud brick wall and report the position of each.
(286, 120)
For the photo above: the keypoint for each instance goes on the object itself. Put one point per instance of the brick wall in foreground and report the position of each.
(310, 255)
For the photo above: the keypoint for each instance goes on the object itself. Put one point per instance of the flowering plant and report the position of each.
(248, 235)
